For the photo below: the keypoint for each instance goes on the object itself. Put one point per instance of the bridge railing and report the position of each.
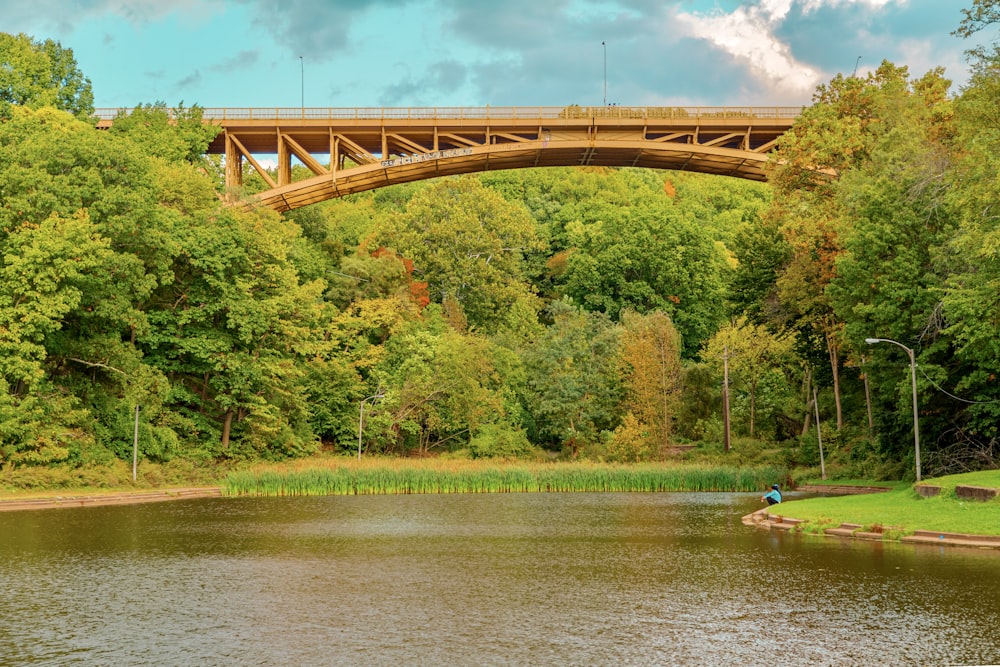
(478, 113)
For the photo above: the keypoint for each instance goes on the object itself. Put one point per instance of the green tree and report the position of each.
(762, 252)
(83, 246)
(574, 389)
(176, 135)
(650, 351)
(649, 258)
(230, 325)
(42, 74)
(837, 135)
(970, 303)
(440, 387)
(758, 359)
(468, 244)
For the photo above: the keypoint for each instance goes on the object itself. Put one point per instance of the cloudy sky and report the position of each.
(354, 53)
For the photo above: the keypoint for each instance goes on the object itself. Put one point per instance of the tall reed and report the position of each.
(390, 476)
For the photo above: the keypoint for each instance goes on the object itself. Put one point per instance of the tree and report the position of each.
(832, 138)
(644, 259)
(176, 135)
(468, 244)
(757, 358)
(762, 252)
(970, 303)
(651, 357)
(574, 390)
(82, 247)
(228, 327)
(42, 74)
(440, 387)
(983, 13)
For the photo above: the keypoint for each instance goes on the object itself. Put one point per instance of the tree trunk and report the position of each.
(227, 425)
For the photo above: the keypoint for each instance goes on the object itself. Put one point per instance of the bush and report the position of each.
(500, 441)
(630, 442)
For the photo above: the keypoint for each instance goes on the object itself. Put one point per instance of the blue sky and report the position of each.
(354, 53)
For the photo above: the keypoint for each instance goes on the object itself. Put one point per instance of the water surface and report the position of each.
(505, 579)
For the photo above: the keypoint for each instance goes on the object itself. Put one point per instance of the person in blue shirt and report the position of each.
(773, 497)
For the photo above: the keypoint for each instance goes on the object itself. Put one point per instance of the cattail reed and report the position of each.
(404, 476)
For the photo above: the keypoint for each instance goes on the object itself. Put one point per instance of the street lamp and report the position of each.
(605, 73)
(302, 81)
(913, 379)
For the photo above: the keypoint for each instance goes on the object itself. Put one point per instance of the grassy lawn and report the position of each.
(902, 510)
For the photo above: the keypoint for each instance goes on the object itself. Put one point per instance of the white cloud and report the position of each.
(748, 34)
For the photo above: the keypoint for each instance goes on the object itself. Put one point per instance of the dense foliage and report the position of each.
(583, 312)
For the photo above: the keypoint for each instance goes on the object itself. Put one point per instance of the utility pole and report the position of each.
(135, 443)
(819, 434)
(725, 397)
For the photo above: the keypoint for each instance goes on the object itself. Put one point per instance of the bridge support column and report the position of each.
(284, 162)
(234, 164)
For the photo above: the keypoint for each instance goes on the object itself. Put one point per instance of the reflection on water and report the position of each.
(512, 579)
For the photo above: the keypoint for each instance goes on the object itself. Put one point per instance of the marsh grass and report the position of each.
(394, 476)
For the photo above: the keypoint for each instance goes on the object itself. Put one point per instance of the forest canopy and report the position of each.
(541, 313)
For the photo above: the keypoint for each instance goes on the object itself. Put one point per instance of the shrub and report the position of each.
(500, 441)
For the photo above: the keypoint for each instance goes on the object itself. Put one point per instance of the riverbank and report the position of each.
(95, 499)
(960, 510)
(769, 521)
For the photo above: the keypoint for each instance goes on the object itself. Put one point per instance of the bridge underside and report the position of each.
(351, 151)
(728, 162)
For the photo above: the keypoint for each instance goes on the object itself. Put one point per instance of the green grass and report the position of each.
(394, 476)
(902, 510)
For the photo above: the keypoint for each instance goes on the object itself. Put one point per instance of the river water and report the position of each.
(506, 579)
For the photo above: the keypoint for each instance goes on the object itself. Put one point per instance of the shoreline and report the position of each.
(764, 519)
(99, 499)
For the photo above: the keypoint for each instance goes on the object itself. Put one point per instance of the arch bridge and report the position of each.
(353, 150)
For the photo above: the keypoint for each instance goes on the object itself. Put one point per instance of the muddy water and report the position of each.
(533, 579)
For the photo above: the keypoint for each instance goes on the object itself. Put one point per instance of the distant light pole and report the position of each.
(856, 63)
(302, 79)
(913, 380)
(605, 73)
(726, 440)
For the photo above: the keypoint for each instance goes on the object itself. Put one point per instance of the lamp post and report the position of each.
(302, 80)
(913, 380)
(605, 46)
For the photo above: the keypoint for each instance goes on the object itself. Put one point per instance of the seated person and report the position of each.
(773, 497)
